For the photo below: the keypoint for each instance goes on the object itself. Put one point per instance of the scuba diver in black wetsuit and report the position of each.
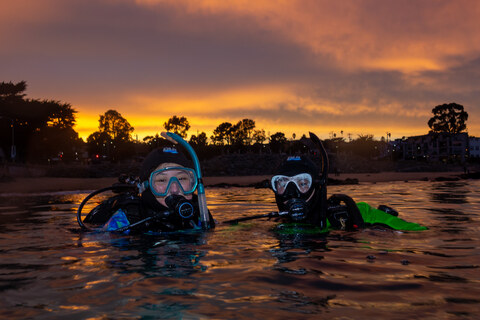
(301, 197)
(164, 202)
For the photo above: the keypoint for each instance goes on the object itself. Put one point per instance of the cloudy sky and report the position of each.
(351, 66)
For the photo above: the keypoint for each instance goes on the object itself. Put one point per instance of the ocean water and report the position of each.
(51, 270)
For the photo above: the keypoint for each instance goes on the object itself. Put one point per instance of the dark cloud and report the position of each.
(351, 63)
(126, 47)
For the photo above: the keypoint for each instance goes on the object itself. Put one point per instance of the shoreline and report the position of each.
(53, 184)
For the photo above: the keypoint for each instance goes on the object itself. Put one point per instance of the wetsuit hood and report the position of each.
(300, 205)
(296, 165)
(162, 155)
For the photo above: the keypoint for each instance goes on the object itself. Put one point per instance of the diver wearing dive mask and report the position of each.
(296, 189)
(167, 201)
(301, 197)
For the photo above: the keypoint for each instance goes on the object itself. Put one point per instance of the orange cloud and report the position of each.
(380, 35)
(292, 66)
(299, 115)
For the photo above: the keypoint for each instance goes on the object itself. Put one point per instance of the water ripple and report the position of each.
(48, 269)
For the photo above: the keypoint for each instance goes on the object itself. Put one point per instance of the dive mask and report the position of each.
(161, 180)
(302, 181)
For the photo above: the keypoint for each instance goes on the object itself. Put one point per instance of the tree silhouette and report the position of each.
(223, 134)
(242, 132)
(116, 126)
(98, 144)
(41, 128)
(200, 141)
(114, 138)
(51, 142)
(277, 141)
(259, 136)
(62, 115)
(364, 146)
(178, 125)
(156, 141)
(449, 118)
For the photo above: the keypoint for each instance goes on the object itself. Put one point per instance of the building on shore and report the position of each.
(474, 147)
(437, 147)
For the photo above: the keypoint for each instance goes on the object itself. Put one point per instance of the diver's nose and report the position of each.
(174, 188)
(291, 191)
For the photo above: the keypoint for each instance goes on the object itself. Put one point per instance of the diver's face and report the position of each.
(163, 179)
(293, 194)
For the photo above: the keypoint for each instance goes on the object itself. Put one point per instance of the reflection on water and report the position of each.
(450, 192)
(48, 269)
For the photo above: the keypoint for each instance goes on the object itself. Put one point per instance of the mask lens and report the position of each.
(279, 183)
(303, 182)
(162, 180)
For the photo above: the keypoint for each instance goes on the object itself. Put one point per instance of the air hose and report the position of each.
(94, 193)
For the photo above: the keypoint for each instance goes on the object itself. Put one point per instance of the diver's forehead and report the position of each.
(168, 165)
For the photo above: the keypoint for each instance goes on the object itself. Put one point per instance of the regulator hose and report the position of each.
(94, 193)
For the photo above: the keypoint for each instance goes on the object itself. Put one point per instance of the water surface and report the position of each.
(48, 269)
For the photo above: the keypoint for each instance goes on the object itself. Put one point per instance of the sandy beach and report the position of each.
(51, 184)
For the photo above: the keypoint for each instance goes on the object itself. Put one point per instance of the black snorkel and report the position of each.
(322, 181)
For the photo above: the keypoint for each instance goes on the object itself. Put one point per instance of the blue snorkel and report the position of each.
(202, 200)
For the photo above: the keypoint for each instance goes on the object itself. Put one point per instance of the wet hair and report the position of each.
(162, 155)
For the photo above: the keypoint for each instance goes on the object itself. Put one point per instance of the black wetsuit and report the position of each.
(144, 214)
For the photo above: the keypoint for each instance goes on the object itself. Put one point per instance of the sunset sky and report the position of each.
(357, 66)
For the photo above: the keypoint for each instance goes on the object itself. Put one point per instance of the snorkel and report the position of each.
(323, 180)
(202, 200)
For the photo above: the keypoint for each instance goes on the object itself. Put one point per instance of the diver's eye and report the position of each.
(281, 184)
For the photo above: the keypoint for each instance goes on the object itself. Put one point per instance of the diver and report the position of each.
(301, 197)
(164, 202)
